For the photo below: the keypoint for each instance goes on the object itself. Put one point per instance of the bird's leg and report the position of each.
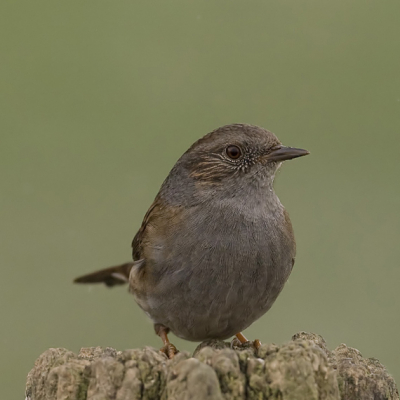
(242, 339)
(168, 349)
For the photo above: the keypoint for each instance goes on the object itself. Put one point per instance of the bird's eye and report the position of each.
(233, 152)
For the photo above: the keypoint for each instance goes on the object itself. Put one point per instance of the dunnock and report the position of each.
(216, 246)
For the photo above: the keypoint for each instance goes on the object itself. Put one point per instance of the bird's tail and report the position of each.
(111, 276)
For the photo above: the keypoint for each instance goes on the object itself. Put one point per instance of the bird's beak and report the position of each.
(282, 153)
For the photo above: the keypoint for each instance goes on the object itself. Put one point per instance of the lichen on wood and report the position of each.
(303, 368)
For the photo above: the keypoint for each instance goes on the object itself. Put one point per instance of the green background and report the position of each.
(100, 98)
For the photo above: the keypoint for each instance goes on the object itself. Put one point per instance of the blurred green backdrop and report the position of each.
(100, 98)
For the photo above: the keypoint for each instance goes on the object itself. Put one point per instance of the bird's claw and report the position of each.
(256, 344)
(169, 350)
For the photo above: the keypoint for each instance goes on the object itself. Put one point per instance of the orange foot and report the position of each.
(242, 339)
(169, 350)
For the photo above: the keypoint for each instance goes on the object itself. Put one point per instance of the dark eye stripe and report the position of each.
(233, 152)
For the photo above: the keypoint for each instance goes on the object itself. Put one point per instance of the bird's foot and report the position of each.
(256, 344)
(169, 350)
(240, 341)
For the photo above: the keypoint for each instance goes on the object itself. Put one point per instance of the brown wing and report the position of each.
(137, 241)
(119, 274)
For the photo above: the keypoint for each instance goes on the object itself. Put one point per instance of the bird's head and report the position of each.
(237, 152)
(235, 160)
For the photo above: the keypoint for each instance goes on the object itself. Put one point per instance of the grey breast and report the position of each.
(221, 271)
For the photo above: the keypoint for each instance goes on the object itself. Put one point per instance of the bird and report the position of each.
(216, 246)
